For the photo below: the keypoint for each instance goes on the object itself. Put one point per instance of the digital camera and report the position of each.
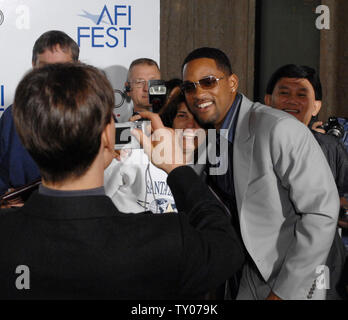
(123, 137)
(333, 127)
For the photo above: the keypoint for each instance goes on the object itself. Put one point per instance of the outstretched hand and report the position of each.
(162, 147)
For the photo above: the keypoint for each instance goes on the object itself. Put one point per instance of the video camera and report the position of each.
(157, 94)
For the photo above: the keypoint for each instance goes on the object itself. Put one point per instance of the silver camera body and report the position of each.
(123, 137)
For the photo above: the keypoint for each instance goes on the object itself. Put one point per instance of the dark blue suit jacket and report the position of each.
(17, 168)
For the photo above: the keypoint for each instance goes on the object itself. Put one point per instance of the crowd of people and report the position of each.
(164, 221)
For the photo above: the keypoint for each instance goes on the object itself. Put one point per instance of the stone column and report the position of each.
(334, 61)
(225, 24)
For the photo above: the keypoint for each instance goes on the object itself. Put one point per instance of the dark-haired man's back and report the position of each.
(83, 248)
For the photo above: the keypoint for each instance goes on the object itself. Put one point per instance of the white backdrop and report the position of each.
(110, 33)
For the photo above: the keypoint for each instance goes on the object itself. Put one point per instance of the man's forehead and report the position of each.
(297, 83)
(53, 54)
(199, 68)
(143, 70)
(56, 48)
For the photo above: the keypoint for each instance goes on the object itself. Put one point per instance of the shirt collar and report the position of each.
(231, 117)
(75, 193)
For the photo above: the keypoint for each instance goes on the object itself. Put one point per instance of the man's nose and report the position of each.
(199, 92)
(292, 99)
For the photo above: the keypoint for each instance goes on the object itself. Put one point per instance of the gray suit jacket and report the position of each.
(286, 197)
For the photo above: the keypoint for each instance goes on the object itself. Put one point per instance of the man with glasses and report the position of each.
(278, 186)
(140, 72)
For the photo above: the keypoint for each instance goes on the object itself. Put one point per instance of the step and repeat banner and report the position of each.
(110, 33)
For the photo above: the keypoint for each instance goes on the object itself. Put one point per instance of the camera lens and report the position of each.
(335, 131)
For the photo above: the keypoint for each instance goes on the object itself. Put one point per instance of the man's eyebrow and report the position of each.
(303, 89)
(283, 87)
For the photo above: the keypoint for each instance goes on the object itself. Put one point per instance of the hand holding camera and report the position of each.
(162, 147)
(331, 127)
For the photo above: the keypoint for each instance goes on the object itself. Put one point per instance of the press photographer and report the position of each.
(137, 87)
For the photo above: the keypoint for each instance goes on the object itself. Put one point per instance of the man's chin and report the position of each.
(206, 122)
(144, 108)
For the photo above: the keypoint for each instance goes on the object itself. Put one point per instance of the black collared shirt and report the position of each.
(223, 184)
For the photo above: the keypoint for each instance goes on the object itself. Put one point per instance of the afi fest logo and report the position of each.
(112, 26)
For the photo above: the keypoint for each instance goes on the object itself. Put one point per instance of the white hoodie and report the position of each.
(135, 185)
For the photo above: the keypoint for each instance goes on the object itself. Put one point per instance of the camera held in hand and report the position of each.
(157, 94)
(333, 127)
(123, 137)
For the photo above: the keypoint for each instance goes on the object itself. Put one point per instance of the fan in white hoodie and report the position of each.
(135, 185)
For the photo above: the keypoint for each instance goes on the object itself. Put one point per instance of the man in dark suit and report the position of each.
(69, 240)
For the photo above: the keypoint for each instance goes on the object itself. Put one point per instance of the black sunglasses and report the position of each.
(205, 83)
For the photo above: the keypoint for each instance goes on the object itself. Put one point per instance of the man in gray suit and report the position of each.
(278, 184)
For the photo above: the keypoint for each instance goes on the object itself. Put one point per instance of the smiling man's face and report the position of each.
(209, 105)
(295, 96)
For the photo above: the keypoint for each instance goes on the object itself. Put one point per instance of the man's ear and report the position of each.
(268, 99)
(127, 87)
(108, 143)
(108, 134)
(317, 107)
(233, 82)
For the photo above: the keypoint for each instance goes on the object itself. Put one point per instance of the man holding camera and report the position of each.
(69, 238)
(140, 72)
(297, 90)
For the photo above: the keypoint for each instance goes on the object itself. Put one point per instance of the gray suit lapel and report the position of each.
(242, 152)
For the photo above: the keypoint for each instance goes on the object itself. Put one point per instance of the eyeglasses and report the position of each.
(206, 83)
(139, 83)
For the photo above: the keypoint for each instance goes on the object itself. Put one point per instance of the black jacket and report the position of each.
(83, 247)
(337, 158)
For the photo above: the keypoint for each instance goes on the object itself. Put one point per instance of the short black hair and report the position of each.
(298, 72)
(220, 58)
(51, 39)
(60, 112)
